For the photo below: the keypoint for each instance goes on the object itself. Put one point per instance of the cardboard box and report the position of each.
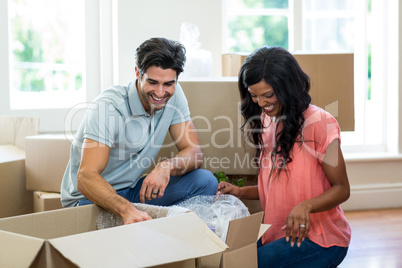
(332, 84)
(231, 63)
(14, 198)
(45, 201)
(47, 157)
(214, 107)
(68, 237)
(332, 81)
(241, 240)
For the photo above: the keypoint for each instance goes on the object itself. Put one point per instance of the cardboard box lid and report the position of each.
(263, 229)
(244, 231)
(53, 224)
(46, 195)
(150, 243)
(28, 248)
(10, 153)
(143, 244)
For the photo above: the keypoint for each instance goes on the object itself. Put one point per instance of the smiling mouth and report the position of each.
(157, 100)
(269, 109)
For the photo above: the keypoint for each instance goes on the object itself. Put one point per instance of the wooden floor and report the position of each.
(376, 239)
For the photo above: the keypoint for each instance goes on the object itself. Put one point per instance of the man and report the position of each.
(121, 135)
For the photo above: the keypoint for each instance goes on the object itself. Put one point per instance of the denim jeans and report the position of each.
(279, 253)
(180, 188)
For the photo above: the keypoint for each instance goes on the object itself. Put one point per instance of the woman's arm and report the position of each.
(245, 192)
(335, 170)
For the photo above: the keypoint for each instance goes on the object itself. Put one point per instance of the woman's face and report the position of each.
(263, 94)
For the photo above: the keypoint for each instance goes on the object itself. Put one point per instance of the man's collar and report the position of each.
(134, 100)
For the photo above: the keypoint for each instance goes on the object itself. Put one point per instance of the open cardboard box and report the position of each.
(69, 238)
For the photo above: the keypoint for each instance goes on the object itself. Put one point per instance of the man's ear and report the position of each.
(137, 73)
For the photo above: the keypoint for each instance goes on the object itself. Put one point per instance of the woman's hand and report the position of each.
(228, 188)
(298, 222)
(335, 171)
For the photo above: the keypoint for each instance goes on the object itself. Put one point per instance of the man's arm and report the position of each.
(188, 158)
(93, 186)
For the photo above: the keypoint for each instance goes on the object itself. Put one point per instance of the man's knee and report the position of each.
(206, 181)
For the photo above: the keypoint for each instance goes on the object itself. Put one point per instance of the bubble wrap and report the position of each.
(107, 219)
(216, 211)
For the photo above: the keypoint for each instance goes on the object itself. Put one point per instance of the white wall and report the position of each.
(139, 20)
(376, 182)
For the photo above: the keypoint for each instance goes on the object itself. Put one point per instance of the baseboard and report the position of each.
(374, 196)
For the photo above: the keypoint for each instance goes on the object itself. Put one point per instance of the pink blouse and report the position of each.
(306, 179)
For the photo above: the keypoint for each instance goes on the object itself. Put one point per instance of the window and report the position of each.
(327, 26)
(50, 59)
(252, 24)
(47, 52)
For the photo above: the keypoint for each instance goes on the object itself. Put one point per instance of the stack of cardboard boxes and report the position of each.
(46, 160)
(15, 199)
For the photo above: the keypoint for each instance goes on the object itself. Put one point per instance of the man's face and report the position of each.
(156, 87)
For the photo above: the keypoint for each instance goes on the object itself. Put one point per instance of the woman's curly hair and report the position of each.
(278, 68)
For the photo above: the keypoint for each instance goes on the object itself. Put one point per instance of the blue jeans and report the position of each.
(180, 188)
(279, 253)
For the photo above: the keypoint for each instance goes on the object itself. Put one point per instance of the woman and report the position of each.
(302, 177)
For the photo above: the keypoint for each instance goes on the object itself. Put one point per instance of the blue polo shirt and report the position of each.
(117, 119)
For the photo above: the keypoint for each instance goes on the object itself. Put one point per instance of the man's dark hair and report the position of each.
(160, 52)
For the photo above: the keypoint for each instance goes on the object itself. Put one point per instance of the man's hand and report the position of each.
(133, 215)
(155, 183)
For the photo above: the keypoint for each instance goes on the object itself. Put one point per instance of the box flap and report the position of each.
(241, 257)
(28, 248)
(52, 224)
(47, 195)
(142, 244)
(263, 229)
(244, 231)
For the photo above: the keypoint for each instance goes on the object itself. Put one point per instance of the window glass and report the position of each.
(316, 5)
(247, 33)
(46, 53)
(257, 4)
(328, 34)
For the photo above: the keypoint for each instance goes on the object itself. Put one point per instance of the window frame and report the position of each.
(385, 13)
